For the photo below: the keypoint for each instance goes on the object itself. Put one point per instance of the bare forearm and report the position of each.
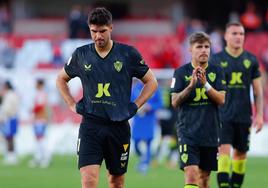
(178, 98)
(217, 97)
(258, 96)
(259, 103)
(65, 92)
(147, 91)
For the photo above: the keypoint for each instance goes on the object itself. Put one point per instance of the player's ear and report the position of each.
(190, 48)
(111, 27)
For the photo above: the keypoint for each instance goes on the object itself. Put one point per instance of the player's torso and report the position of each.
(105, 77)
(198, 118)
(237, 71)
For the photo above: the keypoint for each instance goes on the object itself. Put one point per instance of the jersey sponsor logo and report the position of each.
(123, 165)
(236, 78)
(87, 67)
(188, 78)
(224, 64)
(212, 76)
(200, 94)
(118, 66)
(103, 89)
(173, 81)
(247, 63)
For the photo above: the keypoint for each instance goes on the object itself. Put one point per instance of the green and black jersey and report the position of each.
(106, 81)
(239, 73)
(198, 118)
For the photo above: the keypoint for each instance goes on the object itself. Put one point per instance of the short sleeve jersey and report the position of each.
(106, 81)
(198, 117)
(239, 73)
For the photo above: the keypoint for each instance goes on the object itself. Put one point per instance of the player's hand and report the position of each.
(194, 79)
(73, 108)
(258, 123)
(201, 75)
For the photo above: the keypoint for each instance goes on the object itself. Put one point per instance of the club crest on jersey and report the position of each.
(224, 64)
(87, 67)
(118, 66)
(247, 63)
(212, 76)
(184, 157)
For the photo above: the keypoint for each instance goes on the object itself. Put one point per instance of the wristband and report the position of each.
(207, 86)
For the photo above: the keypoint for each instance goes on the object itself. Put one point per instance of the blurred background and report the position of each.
(38, 36)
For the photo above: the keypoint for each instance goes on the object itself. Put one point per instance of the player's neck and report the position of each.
(195, 64)
(235, 52)
(105, 50)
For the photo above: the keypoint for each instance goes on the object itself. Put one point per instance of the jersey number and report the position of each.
(236, 78)
(200, 94)
(103, 89)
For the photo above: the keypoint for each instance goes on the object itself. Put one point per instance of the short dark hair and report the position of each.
(8, 85)
(100, 16)
(199, 37)
(229, 24)
(40, 81)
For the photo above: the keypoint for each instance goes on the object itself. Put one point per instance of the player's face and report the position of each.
(101, 35)
(200, 52)
(235, 37)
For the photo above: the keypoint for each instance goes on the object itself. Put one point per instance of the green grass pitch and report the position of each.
(63, 173)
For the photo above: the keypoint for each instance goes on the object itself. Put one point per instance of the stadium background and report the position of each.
(37, 37)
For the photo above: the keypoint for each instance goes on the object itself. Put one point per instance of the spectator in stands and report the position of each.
(7, 54)
(143, 126)
(5, 20)
(250, 18)
(74, 19)
(41, 156)
(9, 121)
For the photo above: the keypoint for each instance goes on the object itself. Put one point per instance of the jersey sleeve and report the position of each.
(177, 82)
(220, 81)
(71, 67)
(138, 66)
(255, 69)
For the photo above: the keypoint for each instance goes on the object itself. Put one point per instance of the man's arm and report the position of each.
(61, 83)
(178, 98)
(258, 96)
(150, 85)
(217, 97)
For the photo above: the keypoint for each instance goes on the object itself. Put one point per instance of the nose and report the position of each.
(98, 35)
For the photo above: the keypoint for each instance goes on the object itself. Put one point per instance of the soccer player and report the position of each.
(106, 69)
(198, 88)
(9, 121)
(41, 156)
(241, 69)
(143, 126)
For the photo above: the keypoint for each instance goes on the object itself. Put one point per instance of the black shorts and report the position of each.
(109, 141)
(236, 134)
(204, 157)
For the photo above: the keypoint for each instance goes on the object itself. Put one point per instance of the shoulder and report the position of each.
(125, 47)
(83, 48)
(183, 68)
(249, 55)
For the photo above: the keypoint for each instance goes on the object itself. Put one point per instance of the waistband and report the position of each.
(102, 121)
